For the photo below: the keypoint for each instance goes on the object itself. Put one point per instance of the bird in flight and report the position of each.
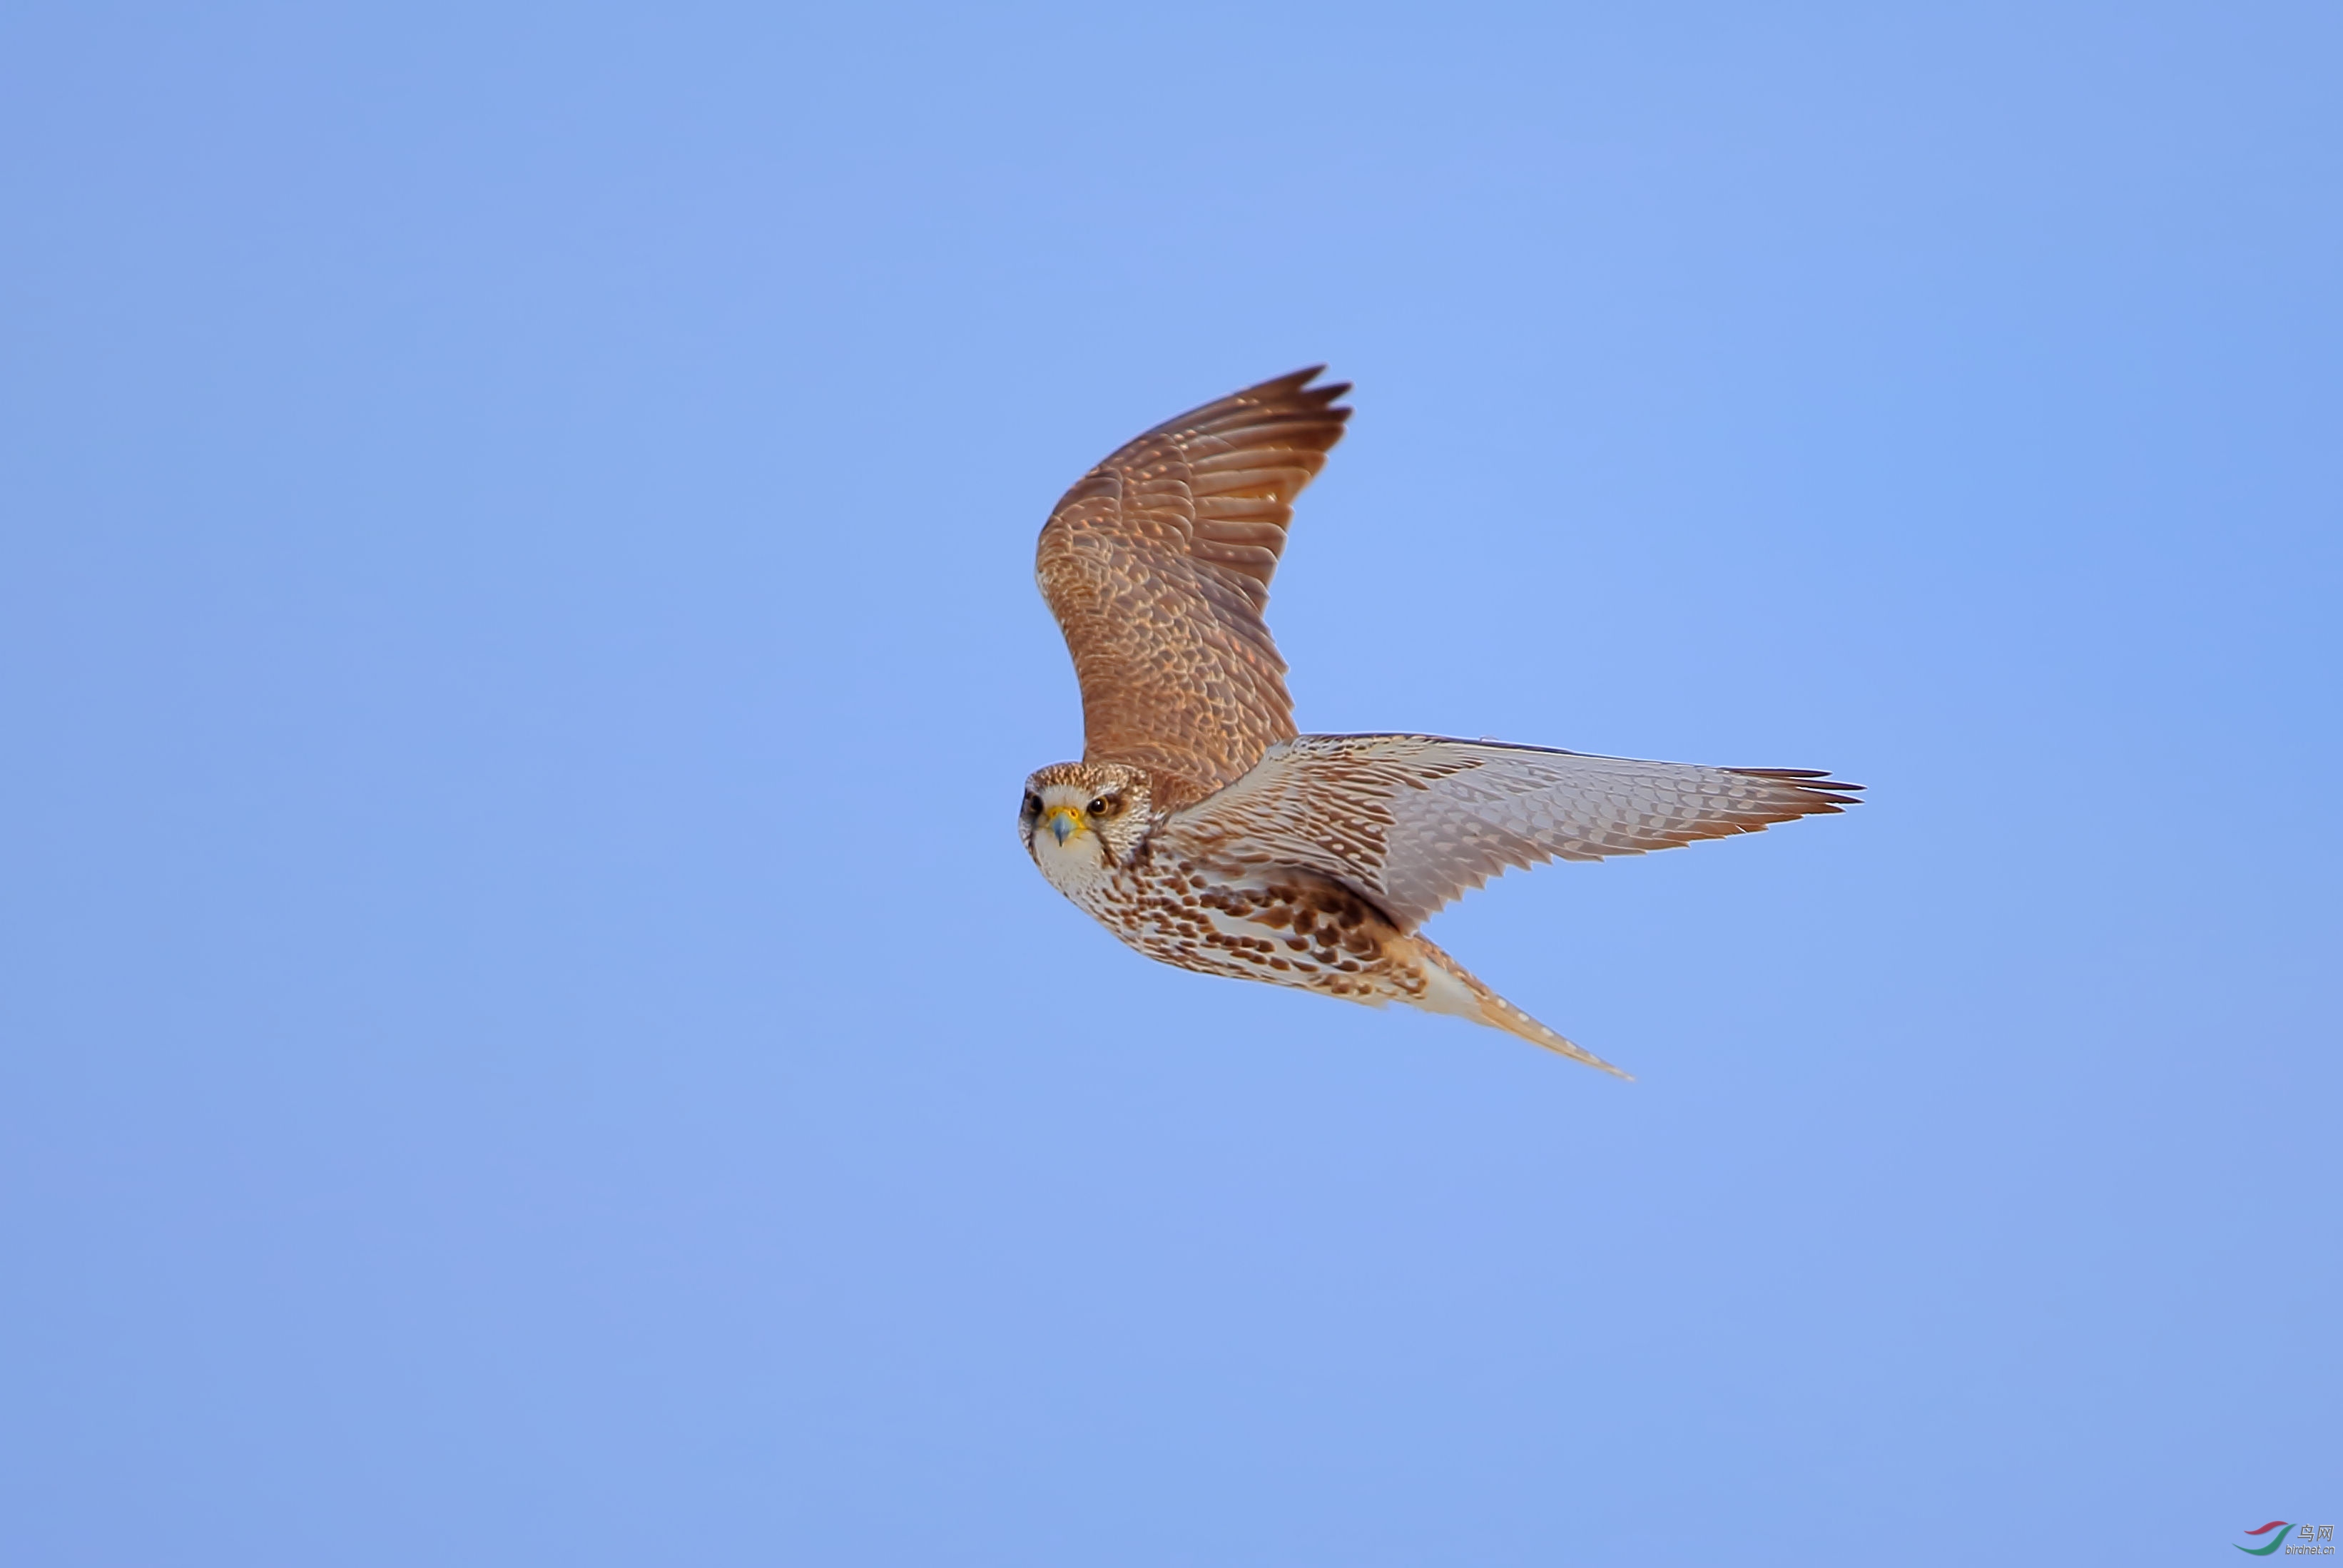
(1202, 831)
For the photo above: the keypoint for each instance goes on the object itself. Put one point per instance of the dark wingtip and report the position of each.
(1296, 384)
(1815, 781)
(1817, 794)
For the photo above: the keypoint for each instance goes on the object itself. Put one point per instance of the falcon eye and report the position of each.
(1106, 805)
(1033, 804)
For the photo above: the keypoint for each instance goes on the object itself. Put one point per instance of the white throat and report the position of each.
(1074, 868)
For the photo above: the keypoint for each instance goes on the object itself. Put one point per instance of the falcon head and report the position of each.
(1081, 819)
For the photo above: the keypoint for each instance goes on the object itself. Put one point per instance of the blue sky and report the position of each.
(528, 1034)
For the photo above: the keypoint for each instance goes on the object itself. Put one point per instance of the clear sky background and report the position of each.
(529, 1038)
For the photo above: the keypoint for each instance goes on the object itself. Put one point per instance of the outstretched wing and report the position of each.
(1157, 566)
(1412, 821)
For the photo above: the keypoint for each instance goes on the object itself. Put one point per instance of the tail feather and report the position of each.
(1469, 998)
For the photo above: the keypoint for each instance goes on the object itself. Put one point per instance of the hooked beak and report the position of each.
(1063, 823)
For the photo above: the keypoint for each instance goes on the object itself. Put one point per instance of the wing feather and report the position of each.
(1157, 565)
(1415, 821)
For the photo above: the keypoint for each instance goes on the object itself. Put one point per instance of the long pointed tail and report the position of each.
(1466, 997)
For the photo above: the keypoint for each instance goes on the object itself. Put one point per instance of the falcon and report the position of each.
(1204, 831)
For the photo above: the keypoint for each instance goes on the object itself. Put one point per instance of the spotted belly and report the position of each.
(1290, 928)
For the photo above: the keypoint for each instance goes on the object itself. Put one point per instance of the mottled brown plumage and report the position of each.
(1204, 832)
(1157, 566)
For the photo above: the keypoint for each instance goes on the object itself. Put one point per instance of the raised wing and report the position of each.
(1157, 566)
(1412, 821)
